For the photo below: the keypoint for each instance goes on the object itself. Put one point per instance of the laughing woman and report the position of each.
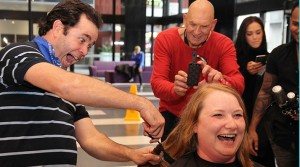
(212, 130)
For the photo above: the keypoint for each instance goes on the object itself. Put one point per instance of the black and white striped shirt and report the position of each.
(36, 126)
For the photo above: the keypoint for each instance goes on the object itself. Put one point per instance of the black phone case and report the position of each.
(261, 59)
(193, 74)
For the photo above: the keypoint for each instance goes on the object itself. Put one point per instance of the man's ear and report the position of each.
(184, 19)
(214, 23)
(57, 26)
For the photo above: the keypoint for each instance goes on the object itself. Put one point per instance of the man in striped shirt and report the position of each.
(40, 102)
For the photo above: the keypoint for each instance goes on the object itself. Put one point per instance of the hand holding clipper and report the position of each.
(193, 71)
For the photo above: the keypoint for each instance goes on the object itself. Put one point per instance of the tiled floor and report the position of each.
(111, 122)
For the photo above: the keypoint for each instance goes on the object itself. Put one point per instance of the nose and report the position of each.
(230, 123)
(198, 30)
(84, 50)
(255, 36)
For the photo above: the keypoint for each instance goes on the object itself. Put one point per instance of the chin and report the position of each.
(229, 153)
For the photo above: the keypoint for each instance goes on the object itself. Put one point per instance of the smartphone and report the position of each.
(261, 58)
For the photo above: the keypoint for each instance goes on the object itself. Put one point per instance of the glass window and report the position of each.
(185, 6)
(275, 29)
(158, 8)
(119, 41)
(37, 5)
(104, 6)
(13, 31)
(173, 7)
(20, 5)
(149, 43)
(103, 45)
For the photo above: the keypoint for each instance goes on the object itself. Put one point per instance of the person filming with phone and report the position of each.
(251, 47)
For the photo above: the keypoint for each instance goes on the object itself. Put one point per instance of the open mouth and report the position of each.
(70, 57)
(227, 137)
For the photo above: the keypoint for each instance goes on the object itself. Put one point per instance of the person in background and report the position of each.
(139, 57)
(282, 126)
(173, 52)
(196, 141)
(251, 42)
(41, 103)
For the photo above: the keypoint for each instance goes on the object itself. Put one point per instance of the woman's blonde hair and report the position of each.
(183, 139)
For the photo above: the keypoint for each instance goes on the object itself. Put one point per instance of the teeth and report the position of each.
(227, 135)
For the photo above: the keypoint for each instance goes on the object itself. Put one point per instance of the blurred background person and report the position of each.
(138, 56)
(251, 42)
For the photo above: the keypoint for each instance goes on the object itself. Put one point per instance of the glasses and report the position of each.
(75, 58)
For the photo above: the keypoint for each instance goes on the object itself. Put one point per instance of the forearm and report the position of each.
(263, 99)
(262, 102)
(107, 150)
(98, 145)
(81, 89)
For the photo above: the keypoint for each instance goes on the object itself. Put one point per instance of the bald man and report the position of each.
(173, 52)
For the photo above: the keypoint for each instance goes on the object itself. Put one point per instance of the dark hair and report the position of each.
(241, 45)
(69, 12)
(296, 4)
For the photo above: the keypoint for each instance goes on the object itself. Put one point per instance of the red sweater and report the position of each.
(171, 54)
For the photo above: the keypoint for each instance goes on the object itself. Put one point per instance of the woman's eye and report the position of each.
(217, 115)
(238, 115)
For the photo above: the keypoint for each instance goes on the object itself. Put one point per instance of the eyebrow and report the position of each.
(90, 38)
(254, 30)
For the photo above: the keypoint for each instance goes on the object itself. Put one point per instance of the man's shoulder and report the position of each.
(283, 48)
(20, 46)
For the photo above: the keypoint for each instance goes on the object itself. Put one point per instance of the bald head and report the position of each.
(199, 22)
(201, 9)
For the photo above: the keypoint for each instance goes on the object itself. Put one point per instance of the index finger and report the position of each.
(155, 131)
(202, 63)
(182, 73)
